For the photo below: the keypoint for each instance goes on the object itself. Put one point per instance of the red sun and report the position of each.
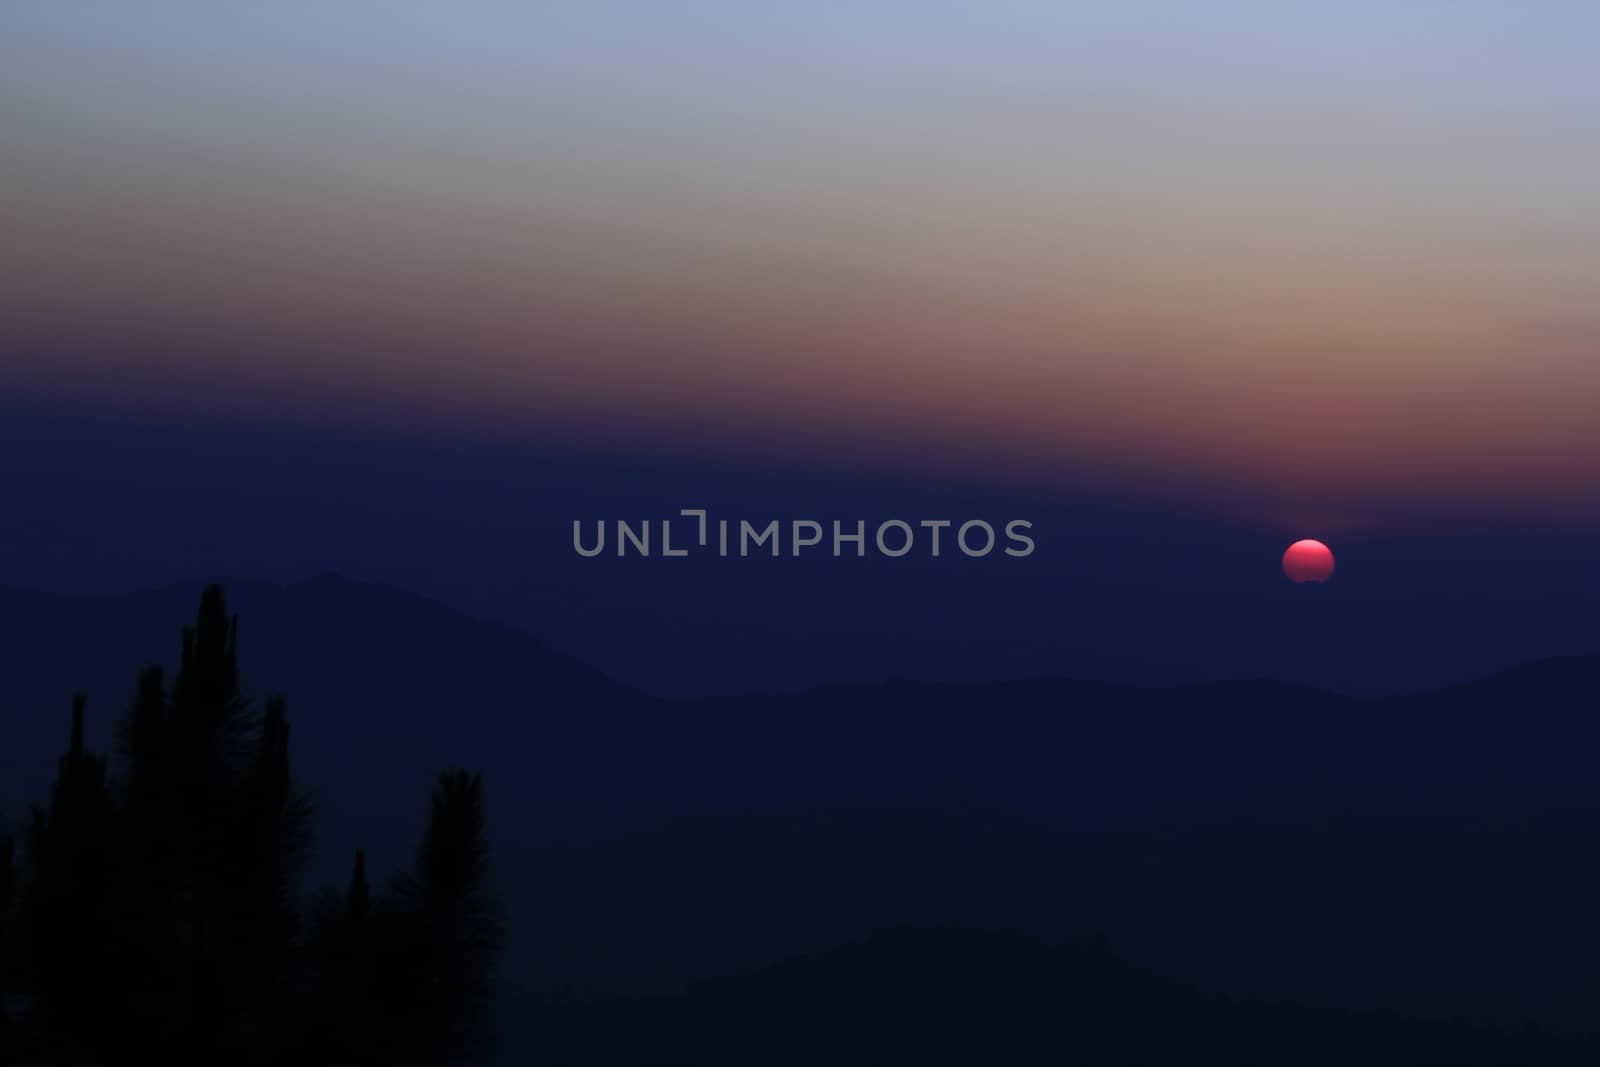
(1308, 561)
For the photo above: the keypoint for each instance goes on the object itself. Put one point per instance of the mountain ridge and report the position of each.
(1539, 669)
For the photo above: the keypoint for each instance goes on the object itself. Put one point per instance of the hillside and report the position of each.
(1436, 854)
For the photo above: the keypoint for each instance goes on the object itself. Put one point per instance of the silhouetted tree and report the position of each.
(455, 921)
(152, 887)
(72, 942)
(160, 915)
(346, 1023)
(8, 892)
(405, 972)
(358, 900)
(215, 831)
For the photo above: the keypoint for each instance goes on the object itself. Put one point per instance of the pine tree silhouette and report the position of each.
(72, 943)
(160, 918)
(215, 833)
(152, 883)
(347, 1024)
(358, 901)
(456, 926)
(406, 971)
(8, 892)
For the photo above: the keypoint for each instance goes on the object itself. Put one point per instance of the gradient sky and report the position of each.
(310, 288)
(1326, 252)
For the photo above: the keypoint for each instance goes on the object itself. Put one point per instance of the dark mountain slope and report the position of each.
(947, 995)
(1435, 853)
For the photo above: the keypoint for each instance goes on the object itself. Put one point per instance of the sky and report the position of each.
(1205, 276)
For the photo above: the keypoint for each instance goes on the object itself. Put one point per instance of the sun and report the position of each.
(1308, 561)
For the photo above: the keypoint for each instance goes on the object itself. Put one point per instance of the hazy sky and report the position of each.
(1327, 252)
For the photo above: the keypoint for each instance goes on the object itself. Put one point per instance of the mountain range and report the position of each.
(1433, 854)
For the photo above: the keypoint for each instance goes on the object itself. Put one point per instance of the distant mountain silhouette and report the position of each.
(1437, 854)
(951, 995)
(351, 656)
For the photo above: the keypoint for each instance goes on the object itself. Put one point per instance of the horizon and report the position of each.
(820, 688)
